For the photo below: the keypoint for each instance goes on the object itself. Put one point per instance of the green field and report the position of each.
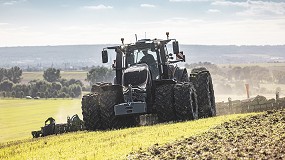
(19, 117)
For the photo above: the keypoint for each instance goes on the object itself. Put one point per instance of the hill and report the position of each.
(78, 56)
(114, 144)
(256, 137)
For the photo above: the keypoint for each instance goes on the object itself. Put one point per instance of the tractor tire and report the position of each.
(91, 111)
(184, 77)
(202, 81)
(194, 101)
(164, 100)
(185, 102)
(213, 111)
(111, 96)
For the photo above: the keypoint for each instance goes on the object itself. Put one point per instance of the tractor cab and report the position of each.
(154, 53)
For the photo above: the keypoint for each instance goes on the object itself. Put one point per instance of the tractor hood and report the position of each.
(136, 75)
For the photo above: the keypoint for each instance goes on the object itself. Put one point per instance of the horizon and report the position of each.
(191, 22)
(217, 45)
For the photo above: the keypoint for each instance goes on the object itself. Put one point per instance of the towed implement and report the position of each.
(73, 124)
(148, 82)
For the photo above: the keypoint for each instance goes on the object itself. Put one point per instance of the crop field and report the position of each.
(28, 76)
(114, 144)
(257, 137)
(18, 117)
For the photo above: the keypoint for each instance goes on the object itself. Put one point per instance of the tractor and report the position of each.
(148, 81)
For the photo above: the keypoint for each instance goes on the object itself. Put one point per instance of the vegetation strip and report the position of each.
(256, 137)
(115, 144)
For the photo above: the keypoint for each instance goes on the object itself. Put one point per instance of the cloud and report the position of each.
(3, 24)
(213, 11)
(190, 0)
(98, 7)
(254, 8)
(230, 3)
(147, 5)
(12, 2)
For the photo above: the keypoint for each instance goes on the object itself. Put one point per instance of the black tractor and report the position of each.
(148, 82)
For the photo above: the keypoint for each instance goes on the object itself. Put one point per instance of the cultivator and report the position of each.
(73, 124)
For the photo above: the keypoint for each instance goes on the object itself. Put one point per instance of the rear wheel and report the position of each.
(184, 77)
(164, 102)
(202, 81)
(91, 111)
(212, 98)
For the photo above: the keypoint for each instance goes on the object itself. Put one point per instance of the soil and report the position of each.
(260, 136)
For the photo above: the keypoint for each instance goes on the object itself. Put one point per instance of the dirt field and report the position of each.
(257, 137)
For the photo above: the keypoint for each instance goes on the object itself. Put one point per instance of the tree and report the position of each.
(62, 95)
(55, 93)
(74, 81)
(99, 74)
(46, 94)
(22, 94)
(3, 73)
(13, 94)
(72, 95)
(52, 75)
(64, 82)
(65, 90)
(6, 86)
(14, 74)
(75, 89)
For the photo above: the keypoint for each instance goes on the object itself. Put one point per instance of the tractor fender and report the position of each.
(180, 74)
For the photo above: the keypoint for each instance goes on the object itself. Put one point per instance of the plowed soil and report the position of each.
(260, 136)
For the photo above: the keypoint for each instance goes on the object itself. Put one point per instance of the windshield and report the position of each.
(145, 56)
(140, 54)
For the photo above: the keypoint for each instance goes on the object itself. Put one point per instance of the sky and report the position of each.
(205, 22)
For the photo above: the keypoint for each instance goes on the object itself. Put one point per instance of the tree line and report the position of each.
(232, 79)
(52, 85)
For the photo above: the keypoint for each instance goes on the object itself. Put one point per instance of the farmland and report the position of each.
(79, 75)
(257, 137)
(114, 144)
(18, 117)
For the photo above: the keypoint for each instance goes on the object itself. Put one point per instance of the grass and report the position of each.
(18, 117)
(115, 144)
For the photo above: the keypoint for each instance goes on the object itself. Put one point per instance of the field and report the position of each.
(28, 76)
(205, 137)
(115, 144)
(19, 117)
(257, 137)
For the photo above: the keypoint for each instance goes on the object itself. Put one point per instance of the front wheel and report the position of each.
(164, 103)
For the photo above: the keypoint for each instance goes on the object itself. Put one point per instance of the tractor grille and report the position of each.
(135, 78)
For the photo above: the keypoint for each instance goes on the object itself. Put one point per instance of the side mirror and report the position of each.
(180, 56)
(104, 56)
(175, 46)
